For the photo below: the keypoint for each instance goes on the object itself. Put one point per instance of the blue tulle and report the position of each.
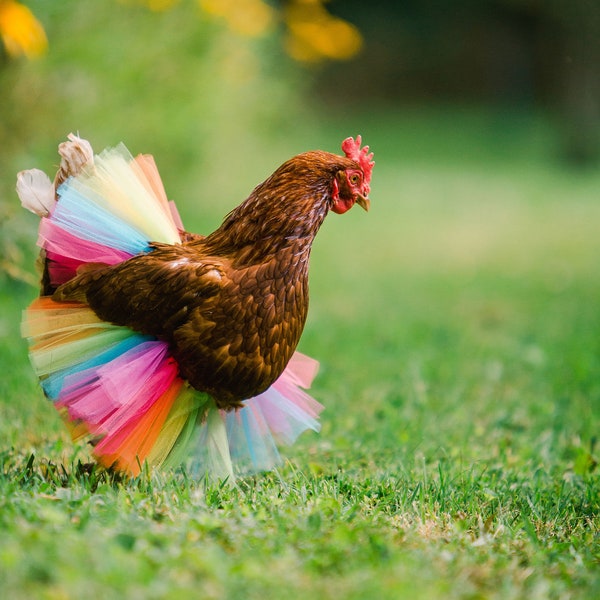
(54, 383)
(81, 216)
(251, 444)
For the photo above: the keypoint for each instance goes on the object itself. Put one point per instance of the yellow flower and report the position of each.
(247, 17)
(21, 32)
(314, 34)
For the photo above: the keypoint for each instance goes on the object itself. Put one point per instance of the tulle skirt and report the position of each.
(121, 389)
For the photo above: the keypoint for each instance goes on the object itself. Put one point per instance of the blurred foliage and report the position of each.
(230, 86)
(203, 82)
(246, 17)
(313, 34)
(516, 55)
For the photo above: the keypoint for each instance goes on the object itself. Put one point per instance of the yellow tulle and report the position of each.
(63, 333)
(178, 428)
(131, 190)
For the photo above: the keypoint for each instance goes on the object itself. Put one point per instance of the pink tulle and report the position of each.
(288, 409)
(300, 371)
(62, 269)
(105, 398)
(175, 216)
(66, 252)
(52, 237)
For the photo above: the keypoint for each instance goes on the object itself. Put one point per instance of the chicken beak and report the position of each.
(363, 201)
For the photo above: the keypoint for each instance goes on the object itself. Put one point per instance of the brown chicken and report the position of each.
(157, 344)
(127, 328)
(232, 305)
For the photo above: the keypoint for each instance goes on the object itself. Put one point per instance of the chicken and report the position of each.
(230, 306)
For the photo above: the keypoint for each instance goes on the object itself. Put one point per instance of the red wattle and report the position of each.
(341, 206)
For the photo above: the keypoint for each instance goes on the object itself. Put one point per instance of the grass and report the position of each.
(458, 329)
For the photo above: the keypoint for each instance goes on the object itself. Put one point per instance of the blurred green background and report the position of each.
(483, 117)
(457, 323)
(221, 92)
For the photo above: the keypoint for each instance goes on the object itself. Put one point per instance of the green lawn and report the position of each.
(458, 329)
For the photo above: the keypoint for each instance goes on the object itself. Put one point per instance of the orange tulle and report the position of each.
(128, 448)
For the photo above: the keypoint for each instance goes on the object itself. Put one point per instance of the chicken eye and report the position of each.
(354, 178)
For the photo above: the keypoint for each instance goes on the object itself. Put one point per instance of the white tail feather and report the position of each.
(75, 154)
(36, 192)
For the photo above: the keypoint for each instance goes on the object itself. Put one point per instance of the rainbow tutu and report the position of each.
(122, 389)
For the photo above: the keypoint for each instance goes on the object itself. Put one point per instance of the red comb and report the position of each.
(362, 156)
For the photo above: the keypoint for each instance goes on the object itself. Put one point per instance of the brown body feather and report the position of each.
(232, 305)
